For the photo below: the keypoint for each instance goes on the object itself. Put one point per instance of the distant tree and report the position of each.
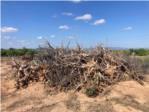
(139, 52)
(17, 52)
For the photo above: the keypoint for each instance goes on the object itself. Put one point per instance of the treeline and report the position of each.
(136, 52)
(139, 52)
(18, 52)
(26, 51)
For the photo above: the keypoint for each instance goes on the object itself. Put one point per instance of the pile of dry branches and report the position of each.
(65, 68)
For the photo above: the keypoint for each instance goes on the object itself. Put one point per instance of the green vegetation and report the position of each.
(91, 92)
(139, 52)
(17, 52)
(26, 51)
(136, 52)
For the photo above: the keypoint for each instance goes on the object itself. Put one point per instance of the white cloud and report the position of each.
(52, 36)
(67, 14)
(6, 29)
(99, 22)
(128, 28)
(40, 37)
(64, 27)
(84, 17)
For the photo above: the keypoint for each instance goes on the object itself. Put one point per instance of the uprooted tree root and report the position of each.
(66, 69)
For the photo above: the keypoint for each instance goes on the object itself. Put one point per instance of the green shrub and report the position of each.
(91, 92)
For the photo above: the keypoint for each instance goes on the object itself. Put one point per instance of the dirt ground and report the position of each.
(128, 96)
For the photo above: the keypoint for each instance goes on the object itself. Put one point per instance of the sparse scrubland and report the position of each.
(59, 76)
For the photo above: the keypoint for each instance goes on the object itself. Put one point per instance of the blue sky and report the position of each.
(114, 24)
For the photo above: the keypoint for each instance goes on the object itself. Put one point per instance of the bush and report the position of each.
(91, 92)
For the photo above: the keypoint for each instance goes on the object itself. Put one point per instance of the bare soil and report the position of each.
(127, 96)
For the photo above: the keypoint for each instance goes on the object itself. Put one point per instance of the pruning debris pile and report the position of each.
(66, 69)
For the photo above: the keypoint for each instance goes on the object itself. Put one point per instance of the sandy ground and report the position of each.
(128, 96)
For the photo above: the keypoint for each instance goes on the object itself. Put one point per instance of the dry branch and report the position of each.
(65, 69)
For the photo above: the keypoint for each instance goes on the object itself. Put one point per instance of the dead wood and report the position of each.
(65, 68)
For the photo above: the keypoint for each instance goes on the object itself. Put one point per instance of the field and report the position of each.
(74, 56)
(126, 96)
